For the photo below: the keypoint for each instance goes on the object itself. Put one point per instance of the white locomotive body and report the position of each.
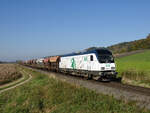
(96, 63)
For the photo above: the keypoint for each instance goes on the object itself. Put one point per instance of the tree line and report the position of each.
(131, 46)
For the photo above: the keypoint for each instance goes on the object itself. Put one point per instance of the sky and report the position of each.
(37, 28)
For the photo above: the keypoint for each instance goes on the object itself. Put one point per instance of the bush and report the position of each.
(135, 75)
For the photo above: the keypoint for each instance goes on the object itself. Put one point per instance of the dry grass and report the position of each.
(135, 75)
(8, 73)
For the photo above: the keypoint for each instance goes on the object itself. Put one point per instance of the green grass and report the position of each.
(48, 95)
(140, 61)
(135, 66)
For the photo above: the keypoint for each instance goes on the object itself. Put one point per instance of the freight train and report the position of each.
(96, 64)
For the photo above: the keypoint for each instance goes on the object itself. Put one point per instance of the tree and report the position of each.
(148, 35)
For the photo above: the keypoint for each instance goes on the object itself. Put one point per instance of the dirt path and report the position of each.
(11, 83)
(19, 84)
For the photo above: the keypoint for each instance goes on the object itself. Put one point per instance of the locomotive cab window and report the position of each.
(105, 56)
(91, 58)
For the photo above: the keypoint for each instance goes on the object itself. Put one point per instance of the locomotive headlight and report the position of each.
(102, 68)
(100, 73)
(112, 68)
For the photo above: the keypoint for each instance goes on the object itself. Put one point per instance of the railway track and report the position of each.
(121, 86)
(120, 91)
(130, 88)
(113, 84)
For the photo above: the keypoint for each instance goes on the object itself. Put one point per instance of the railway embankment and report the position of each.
(127, 93)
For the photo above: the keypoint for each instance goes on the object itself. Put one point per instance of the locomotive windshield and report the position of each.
(105, 56)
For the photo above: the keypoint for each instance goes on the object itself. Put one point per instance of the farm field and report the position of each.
(48, 95)
(9, 73)
(135, 68)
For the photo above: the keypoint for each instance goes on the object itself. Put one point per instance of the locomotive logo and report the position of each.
(73, 65)
(85, 58)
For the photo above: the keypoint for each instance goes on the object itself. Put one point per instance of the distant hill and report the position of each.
(93, 48)
(131, 46)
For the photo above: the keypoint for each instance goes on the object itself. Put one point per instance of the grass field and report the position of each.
(8, 73)
(135, 67)
(48, 95)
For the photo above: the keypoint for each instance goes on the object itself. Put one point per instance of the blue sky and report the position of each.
(36, 28)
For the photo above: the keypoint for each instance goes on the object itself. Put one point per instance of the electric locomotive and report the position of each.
(98, 64)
